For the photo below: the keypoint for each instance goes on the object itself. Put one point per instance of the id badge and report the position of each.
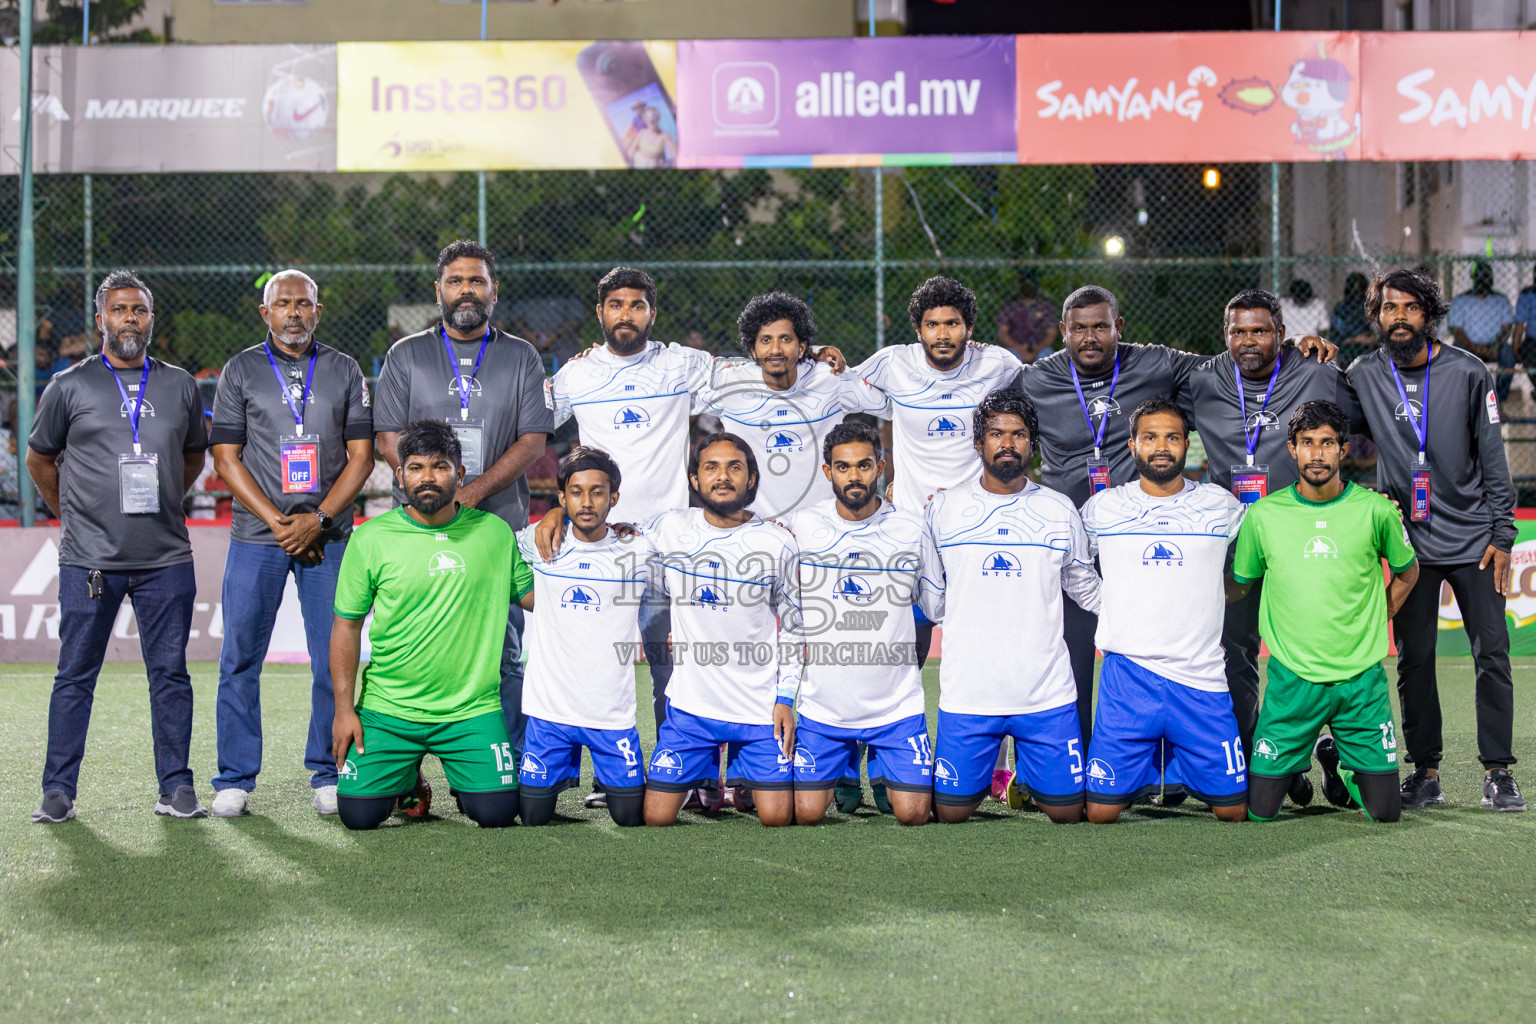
(1250, 483)
(138, 483)
(1098, 475)
(1419, 512)
(471, 434)
(300, 454)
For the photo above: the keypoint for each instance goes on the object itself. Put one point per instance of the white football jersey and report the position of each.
(636, 409)
(584, 639)
(729, 591)
(930, 413)
(784, 428)
(994, 568)
(1163, 561)
(858, 582)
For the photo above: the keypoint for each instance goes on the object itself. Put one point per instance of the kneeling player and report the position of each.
(734, 589)
(996, 557)
(1319, 545)
(440, 580)
(1162, 543)
(580, 691)
(858, 573)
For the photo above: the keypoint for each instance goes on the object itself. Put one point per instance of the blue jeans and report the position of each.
(162, 604)
(254, 576)
(655, 625)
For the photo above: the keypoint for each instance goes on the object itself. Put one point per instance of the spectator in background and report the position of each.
(10, 476)
(694, 338)
(548, 316)
(1350, 328)
(1480, 321)
(1303, 312)
(1027, 325)
(64, 323)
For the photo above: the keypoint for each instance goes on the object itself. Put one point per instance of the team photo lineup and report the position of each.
(776, 536)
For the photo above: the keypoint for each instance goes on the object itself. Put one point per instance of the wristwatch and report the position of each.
(325, 520)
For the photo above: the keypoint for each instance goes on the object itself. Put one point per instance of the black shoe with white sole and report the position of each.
(1334, 790)
(1421, 790)
(181, 804)
(1500, 792)
(55, 809)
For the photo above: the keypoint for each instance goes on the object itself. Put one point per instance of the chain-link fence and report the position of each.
(1172, 241)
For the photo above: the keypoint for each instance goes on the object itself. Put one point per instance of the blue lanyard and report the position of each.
(1420, 423)
(1252, 437)
(298, 411)
(453, 366)
(138, 404)
(1098, 438)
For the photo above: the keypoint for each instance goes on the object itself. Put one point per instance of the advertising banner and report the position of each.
(138, 109)
(1449, 95)
(506, 105)
(1519, 609)
(1183, 98)
(836, 102)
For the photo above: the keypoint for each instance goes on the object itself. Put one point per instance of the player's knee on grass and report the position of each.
(1068, 815)
(1105, 814)
(775, 807)
(627, 811)
(951, 814)
(811, 806)
(1233, 812)
(491, 810)
(910, 808)
(661, 807)
(363, 813)
(1380, 796)
(536, 810)
(1265, 795)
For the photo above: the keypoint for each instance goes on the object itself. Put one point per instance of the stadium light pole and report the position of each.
(879, 230)
(480, 175)
(1274, 204)
(26, 297)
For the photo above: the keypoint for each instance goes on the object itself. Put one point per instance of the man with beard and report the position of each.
(1434, 417)
(1163, 681)
(438, 577)
(735, 588)
(1239, 402)
(489, 386)
(293, 439)
(1319, 545)
(858, 573)
(1002, 544)
(117, 443)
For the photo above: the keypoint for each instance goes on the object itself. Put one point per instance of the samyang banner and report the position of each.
(149, 109)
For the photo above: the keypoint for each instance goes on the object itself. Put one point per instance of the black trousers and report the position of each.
(1482, 609)
(1077, 628)
(1240, 645)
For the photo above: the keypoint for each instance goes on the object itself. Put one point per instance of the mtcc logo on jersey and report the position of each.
(533, 766)
(1264, 419)
(631, 416)
(946, 426)
(666, 761)
(854, 588)
(1100, 771)
(1162, 553)
(943, 771)
(804, 759)
(999, 563)
(456, 385)
(126, 409)
(1104, 407)
(446, 563)
(581, 598)
(1266, 748)
(783, 441)
(1414, 404)
(1320, 547)
(348, 769)
(710, 595)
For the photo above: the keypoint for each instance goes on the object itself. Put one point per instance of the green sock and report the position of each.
(1348, 778)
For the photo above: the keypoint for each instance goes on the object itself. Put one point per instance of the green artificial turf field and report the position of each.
(1169, 916)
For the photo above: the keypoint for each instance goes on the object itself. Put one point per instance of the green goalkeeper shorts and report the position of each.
(476, 753)
(1295, 710)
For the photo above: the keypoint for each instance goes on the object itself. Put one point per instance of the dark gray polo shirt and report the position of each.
(508, 394)
(1210, 401)
(83, 420)
(249, 410)
(1066, 443)
(1472, 498)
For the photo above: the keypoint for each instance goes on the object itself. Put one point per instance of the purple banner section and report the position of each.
(752, 100)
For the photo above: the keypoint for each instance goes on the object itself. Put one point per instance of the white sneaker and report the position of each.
(231, 803)
(325, 799)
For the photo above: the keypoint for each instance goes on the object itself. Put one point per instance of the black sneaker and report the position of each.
(1500, 792)
(1421, 790)
(1172, 796)
(1301, 789)
(56, 808)
(181, 804)
(1334, 790)
(598, 797)
(848, 798)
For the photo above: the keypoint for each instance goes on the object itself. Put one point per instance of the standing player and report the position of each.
(733, 582)
(580, 690)
(989, 550)
(782, 402)
(1318, 545)
(858, 574)
(1442, 459)
(1239, 402)
(438, 577)
(1163, 679)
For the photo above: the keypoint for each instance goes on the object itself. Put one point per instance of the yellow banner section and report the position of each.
(505, 105)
